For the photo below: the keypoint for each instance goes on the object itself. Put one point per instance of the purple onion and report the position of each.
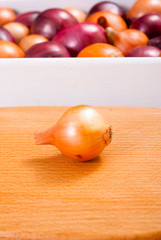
(47, 49)
(27, 18)
(144, 51)
(51, 21)
(156, 42)
(150, 24)
(107, 6)
(79, 36)
(6, 35)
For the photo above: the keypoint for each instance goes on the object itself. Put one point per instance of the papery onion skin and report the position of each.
(10, 50)
(142, 7)
(51, 21)
(80, 134)
(126, 40)
(144, 51)
(77, 13)
(30, 40)
(150, 24)
(156, 42)
(6, 15)
(78, 36)
(100, 50)
(108, 19)
(107, 6)
(6, 35)
(27, 18)
(18, 30)
(47, 49)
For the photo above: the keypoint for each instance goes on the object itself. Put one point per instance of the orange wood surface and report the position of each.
(44, 195)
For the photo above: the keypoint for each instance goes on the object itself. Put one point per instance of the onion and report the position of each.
(107, 6)
(10, 50)
(27, 18)
(142, 7)
(100, 50)
(5, 35)
(77, 13)
(126, 40)
(79, 36)
(80, 134)
(156, 42)
(47, 49)
(18, 30)
(28, 41)
(150, 24)
(51, 21)
(6, 15)
(107, 19)
(144, 51)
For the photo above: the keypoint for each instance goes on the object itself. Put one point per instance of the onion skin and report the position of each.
(80, 134)
(10, 50)
(144, 51)
(126, 40)
(100, 50)
(6, 35)
(77, 13)
(51, 21)
(27, 18)
(142, 7)
(47, 49)
(30, 40)
(156, 42)
(107, 6)
(150, 24)
(45, 27)
(79, 36)
(18, 30)
(107, 19)
(6, 15)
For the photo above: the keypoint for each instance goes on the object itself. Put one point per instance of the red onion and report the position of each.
(144, 51)
(107, 6)
(156, 42)
(79, 36)
(6, 35)
(150, 24)
(51, 21)
(47, 49)
(27, 18)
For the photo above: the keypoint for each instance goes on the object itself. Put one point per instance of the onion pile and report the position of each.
(104, 30)
(81, 35)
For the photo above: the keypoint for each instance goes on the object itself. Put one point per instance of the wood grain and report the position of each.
(44, 195)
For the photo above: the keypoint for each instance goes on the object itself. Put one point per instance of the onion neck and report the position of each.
(112, 35)
(46, 137)
(103, 22)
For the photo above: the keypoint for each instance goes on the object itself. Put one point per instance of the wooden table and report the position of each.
(44, 195)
